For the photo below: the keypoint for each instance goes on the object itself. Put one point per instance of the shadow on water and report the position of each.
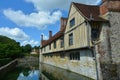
(49, 72)
(21, 73)
(26, 69)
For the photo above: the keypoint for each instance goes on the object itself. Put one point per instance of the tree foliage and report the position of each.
(9, 48)
(27, 48)
(36, 47)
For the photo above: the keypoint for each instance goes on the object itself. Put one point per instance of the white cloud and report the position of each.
(57, 4)
(31, 42)
(38, 20)
(44, 14)
(14, 33)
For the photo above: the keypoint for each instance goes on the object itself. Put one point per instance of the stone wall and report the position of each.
(109, 47)
(103, 48)
(118, 71)
(110, 71)
(114, 18)
(85, 66)
(28, 61)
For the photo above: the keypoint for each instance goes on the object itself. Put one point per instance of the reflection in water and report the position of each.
(49, 72)
(33, 75)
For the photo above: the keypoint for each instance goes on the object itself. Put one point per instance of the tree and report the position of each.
(36, 47)
(27, 48)
(9, 48)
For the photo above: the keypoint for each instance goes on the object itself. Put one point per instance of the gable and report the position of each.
(73, 13)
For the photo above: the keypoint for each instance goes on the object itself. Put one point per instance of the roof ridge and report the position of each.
(85, 4)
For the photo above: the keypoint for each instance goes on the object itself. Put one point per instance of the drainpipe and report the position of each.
(94, 52)
(97, 62)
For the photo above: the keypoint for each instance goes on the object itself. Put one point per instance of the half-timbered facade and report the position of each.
(75, 45)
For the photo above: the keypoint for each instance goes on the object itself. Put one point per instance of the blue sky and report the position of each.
(25, 20)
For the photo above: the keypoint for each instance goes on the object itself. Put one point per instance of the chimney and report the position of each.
(104, 0)
(41, 37)
(109, 6)
(50, 34)
(63, 22)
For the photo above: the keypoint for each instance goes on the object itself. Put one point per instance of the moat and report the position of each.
(49, 72)
(45, 72)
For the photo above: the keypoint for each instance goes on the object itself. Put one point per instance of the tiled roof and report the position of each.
(90, 12)
(53, 38)
(59, 34)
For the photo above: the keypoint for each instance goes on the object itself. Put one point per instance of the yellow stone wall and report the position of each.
(84, 66)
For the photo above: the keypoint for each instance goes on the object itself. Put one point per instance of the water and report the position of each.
(33, 75)
(26, 69)
(21, 73)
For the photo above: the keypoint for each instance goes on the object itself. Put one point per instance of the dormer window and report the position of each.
(72, 22)
(95, 31)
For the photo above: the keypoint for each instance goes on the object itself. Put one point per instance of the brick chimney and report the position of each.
(63, 22)
(50, 34)
(109, 6)
(41, 40)
(41, 37)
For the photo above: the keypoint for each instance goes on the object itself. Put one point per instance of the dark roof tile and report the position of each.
(90, 12)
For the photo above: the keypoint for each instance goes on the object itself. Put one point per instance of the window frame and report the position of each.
(55, 45)
(74, 56)
(62, 55)
(49, 46)
(62, 42)
(44, 49)
(72, 22)
(70, 39)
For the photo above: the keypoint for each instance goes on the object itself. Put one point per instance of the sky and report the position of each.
(26, 20)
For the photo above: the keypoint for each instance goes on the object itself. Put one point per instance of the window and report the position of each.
(71, 39)
(62, 55)
(41, 50)
(95, 31)
(74, 56)
(44, 49)
(72, 22)
(62, 42)
(49, 46)
(54, 44)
